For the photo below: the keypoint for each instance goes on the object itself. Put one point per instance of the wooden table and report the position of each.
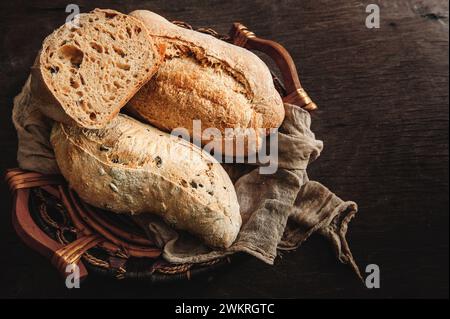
(383, 98)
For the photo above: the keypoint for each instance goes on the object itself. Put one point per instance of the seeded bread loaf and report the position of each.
(86, 72)
(131, 167)
(203, 78)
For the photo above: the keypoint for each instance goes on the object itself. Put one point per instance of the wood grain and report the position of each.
(383, 99)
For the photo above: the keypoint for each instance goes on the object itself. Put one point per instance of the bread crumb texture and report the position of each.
(95, 67)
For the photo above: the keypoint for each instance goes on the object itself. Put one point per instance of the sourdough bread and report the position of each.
(203, 78)
(87, 72)
(131, 167)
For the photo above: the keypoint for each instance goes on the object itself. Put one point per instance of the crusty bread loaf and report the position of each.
(86, 74)
(131, 167)
(203, 78)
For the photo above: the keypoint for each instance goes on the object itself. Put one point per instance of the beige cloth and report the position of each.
(279, 211)
(34, 151)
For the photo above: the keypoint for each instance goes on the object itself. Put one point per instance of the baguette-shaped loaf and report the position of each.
(203, 78)
(86, 72)
(131, 167)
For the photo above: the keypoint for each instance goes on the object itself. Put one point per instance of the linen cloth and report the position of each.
(279, 211)
(34, 151)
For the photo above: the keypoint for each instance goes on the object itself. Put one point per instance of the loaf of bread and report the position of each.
(203, 78)
(130, 167)
(86, 72)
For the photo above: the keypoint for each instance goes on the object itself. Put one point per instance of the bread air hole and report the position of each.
(96, 47)
(111, 35)
(92, 116)
(129, 32)
(119, 51)
(53, 70)
(74, 84)
(110, 15)
(73, 54)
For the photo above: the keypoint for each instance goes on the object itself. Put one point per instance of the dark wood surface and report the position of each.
(383, 99)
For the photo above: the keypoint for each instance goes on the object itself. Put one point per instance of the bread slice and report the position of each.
(86, 74)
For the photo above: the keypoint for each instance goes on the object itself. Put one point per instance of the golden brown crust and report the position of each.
(132, 167)
(203, 78)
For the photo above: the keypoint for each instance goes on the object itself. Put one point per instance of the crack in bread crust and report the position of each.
(204, 78)
(178, 48)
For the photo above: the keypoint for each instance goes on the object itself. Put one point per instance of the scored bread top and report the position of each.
(94, 68)
(204, 78)
(225, 69)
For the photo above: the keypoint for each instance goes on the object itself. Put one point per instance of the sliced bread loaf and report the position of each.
(86, 72)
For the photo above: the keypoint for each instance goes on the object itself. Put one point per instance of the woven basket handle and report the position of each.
(295, 94)
(20, 182)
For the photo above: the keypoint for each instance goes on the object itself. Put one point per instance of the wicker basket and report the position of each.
(51, 219)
